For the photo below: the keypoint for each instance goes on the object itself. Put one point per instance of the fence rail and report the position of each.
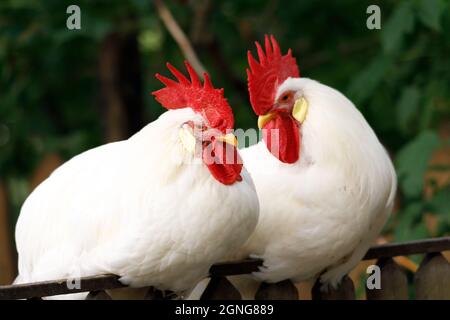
(390, 250)
(432, 280)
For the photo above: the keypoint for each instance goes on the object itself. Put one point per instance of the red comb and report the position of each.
(204, 99)
(265, 76)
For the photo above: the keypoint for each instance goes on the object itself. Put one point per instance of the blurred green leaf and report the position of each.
(443, 227)
(364, 83)
(150, 40)
(407, 107)
(18, 190)
(412, 162)
(440, 202)
(418, 232)
(407, 220)
(400, 23)
(430, 12)
(20, 4)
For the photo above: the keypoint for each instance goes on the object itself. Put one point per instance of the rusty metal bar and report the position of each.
(56, 287)
(235, 267)
(390, 250)
(105, 282)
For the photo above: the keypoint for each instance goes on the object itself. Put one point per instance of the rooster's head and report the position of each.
(281, 109)
(211, 137)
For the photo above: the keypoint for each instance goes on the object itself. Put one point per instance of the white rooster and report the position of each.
(157, 209)
(325, 183)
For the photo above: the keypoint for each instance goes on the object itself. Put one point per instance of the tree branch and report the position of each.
(179, 36)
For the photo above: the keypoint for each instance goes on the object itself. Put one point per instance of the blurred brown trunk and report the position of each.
(121, 84)
(48, 164)
(8, 256)
(7, 265)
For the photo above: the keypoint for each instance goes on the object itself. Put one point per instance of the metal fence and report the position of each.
(431, 281)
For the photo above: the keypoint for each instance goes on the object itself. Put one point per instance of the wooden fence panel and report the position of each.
(432, 280)
(284, 290)
(345, 291)
(98, 295)
(220, 288)
(153, 294)
(394, 283)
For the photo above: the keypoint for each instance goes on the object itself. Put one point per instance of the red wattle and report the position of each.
(223, 161)
(286, 147)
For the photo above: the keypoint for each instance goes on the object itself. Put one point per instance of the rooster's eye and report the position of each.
(285, 97)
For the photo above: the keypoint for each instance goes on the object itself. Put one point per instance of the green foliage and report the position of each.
(410, 226)
(397, 76)
(412, 163)
(402, 91)
(407, 107)
(429, 12)
(397, 27)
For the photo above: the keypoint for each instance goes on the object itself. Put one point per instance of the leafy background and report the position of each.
(51, 105)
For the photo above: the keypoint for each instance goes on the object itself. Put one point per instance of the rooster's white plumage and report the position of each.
(141, 208)
(327, 186)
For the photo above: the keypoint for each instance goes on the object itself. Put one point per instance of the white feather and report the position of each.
(134, 208)
(320, 215)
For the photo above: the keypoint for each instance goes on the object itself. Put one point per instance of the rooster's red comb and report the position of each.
(265, 76)
(204, 99)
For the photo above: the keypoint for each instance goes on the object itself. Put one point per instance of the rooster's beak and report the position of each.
(262, 120)
(299, 112)
(300, 109)
(229, 138)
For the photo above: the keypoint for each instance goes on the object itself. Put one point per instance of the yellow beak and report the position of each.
(189, 143)
(229, 138)
(262, 120)
(300, 110)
